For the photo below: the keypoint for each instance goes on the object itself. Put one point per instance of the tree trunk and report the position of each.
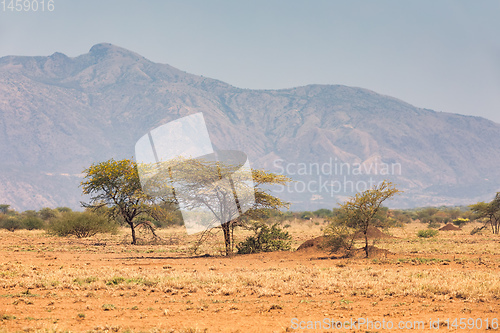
(366, 243)
(134, 240)
(232, 235)
(227, 236)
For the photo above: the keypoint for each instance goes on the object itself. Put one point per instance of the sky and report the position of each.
(441, 55)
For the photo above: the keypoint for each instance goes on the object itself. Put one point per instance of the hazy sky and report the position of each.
(442, 55)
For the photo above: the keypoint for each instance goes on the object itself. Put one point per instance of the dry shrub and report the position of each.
(81, 225)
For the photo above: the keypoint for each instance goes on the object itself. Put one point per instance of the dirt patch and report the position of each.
(373, 232)
(55, 284)
(373, 252)
(449, 227)
(315, 243)
(318, 245)
(319, 242)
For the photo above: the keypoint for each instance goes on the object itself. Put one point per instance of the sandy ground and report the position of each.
(103, 284)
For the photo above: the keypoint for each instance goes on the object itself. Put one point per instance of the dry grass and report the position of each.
(453, 243)
(368, 280)
(79, 282)
(301, 281)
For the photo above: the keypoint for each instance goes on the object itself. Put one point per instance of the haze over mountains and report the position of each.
(59, 114)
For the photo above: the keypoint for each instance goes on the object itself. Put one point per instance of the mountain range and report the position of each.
(58, 115)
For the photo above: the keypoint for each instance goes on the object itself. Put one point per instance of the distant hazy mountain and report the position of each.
(60, 114)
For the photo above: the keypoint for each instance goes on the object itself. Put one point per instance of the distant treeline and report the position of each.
(49, 218)
(433, 216)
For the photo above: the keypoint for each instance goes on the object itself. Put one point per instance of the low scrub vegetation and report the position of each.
(108, 280)
(17, 222)
(29, 220)
(266, 239)
(460, 222)
(428, 233)
(10, 223)
(81, 225)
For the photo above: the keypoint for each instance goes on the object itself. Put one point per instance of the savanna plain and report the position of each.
(104, 284)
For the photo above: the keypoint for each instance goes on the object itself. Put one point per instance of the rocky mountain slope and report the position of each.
(60, 114)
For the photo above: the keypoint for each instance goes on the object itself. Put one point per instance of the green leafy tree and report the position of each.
(32, 223)
(11, 223)
(489, 212)
(401, 217)
(427, 215)
(358, 213)
(29, 213)
(453, 213)
(116, 184)
(4, 209)
(47, 213)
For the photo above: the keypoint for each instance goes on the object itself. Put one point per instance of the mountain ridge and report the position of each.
(60, 114)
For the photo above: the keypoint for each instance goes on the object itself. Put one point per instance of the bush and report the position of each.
(427, 233)
(47, 213)
(307, 216)
(81, 225)
(433, 224)
(63, 209)
(165, 218)
(32, 222)
(460, 222)
(323, 213)
(4, 209)
(11, 223)
(339, 236)
(266, 239)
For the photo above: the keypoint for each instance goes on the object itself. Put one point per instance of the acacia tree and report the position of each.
(356, 215)
(490, 212)
(211, 192)
(4, 209)
(116, 184)
(264, 202)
